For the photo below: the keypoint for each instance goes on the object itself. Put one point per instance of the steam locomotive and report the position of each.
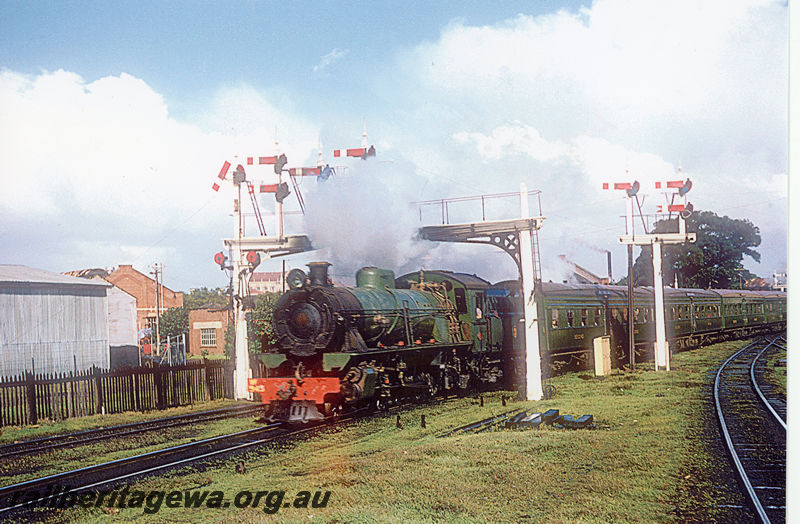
(388, 339)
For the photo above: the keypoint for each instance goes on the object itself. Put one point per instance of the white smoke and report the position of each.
(362, 217)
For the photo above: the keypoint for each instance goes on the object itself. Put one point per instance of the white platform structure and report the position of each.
(518, 238)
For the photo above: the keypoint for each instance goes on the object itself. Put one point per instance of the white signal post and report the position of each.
(533, 361)
(656, 240)
(241, 358)
(272, 246)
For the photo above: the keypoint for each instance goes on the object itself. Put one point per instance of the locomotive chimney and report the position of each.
(318, 273)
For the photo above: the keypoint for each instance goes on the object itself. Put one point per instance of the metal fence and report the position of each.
(29, 398)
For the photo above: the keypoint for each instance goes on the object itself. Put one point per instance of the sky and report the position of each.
(115, 118)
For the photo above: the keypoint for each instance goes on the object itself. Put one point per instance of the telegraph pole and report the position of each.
(158, 311)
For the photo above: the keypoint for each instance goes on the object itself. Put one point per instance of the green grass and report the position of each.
(776, 375)
(29, 467)
(648, 460)
(216, 356)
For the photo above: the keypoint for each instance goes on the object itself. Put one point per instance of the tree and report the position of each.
(174, 322)
(714, 261)
(202, 298)
(260, 332)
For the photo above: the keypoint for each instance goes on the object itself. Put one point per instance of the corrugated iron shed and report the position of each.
(10, 274)
(51, 322)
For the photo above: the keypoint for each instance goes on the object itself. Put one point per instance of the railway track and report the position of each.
(753, 422)
(17, 497)
(67, 440)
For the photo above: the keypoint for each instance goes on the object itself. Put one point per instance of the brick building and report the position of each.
(266, 282)
(207, 331)
(143, 289)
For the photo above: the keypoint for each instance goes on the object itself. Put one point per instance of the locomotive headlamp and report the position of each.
(296, 278)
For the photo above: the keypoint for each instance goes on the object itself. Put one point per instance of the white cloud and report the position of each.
(103, 164)
(572, 99)
(334, 56)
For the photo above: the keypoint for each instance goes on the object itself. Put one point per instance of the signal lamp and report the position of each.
(220, 259)
(238, 175)
(253, 258)
(282, 191)
(634, 189)
(685, 188)
(688, 209)
(279, 163)
(326, 173)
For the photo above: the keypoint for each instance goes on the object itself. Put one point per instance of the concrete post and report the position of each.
(533, 360)
(658, 288)
(241, 360)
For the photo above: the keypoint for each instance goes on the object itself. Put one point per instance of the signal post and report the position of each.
(656, 241)
(246, 251)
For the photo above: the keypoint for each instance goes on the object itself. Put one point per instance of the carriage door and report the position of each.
(482, 327)
(603, 295)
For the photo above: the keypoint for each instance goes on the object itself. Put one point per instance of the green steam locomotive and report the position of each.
(388, 339)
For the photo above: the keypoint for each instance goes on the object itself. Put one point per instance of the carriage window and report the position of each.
(613, 313)
(584, 315)
(461, 300)
(625, 314)
(598, 316)
(569, 317)
(636, 314)
(646, 311)
(554, 314)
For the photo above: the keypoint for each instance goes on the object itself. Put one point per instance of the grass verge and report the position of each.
(651, 458)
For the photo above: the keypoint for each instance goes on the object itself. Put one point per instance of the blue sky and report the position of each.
(117, 117)
(188, 50)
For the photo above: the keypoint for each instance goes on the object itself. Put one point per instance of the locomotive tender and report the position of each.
(386, 339)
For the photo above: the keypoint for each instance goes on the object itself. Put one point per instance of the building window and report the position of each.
(208, 337)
